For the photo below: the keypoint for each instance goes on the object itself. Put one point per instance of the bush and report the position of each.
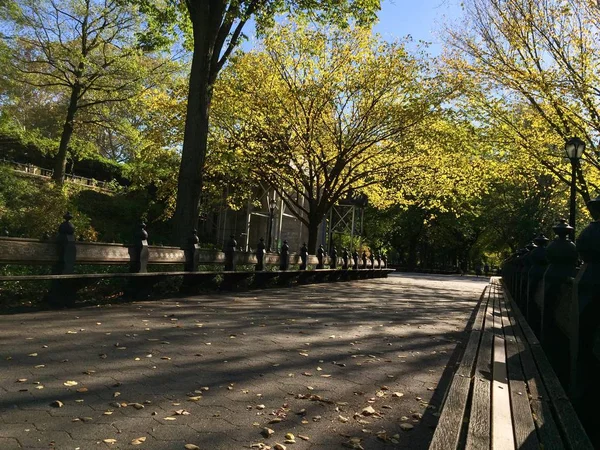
(35, 208)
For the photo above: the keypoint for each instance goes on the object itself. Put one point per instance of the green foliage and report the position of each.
(35, 209)
(318, 113)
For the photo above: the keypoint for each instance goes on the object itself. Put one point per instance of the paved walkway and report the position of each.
(354, 365)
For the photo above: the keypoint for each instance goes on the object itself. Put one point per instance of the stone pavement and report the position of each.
(338, 365)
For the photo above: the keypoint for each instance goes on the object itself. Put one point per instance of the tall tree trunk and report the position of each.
(207, 21)
(189, 183)
(60, 162)
(313, 235)
(195, 139)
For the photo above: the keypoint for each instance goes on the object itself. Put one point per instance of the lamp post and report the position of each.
(272, 208)
(574, 147)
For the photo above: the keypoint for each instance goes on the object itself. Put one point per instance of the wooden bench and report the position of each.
(504, 394)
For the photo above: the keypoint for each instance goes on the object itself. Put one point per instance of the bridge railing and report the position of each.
(47, 173)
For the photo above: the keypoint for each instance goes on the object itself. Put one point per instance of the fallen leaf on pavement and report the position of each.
(368, 411)
(267, 432)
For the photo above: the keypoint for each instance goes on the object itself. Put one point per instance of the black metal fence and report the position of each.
(556, 284)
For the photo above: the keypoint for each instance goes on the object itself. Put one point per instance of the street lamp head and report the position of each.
(574, 147)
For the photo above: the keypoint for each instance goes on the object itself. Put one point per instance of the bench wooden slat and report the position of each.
(566, 418)
(469, 356)
(478, 435)
(538, 397)
(502, 431)
(524, 427)
(483, 302)
(447, 432)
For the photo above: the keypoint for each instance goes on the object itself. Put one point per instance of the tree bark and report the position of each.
(195, 139)
(313, 235)
(190, 179)
(60, 162)
(207, 21)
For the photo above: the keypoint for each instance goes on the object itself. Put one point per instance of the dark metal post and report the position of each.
(138, 253)
(303, 256)
(66, 247)
(230, 254)
(271, 219)
(345, 257)
(355, 260)
(535, 286)
(364, 259)
(572, 199)
(63, 292)
(372, 259)
(574, 148)
(333, 259)
(260, 255)
(320, 257)
(191, 252)
(284, 256)
(558, 283)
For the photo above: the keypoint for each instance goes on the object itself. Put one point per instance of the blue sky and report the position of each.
(419, 18)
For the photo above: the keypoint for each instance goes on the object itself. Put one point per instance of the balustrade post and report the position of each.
(260, 255)
(138, 252)
(345, 258)
(284, 256)
(303, 256)
(537, 267)
(63, 292)
(191, 252)
(333, 259)
(364, 259)
(355, 260)
(555, 302)
(230, 248)
(65, 243)
(508, 269)
(320, 257)
(516, 284)
(524, 272)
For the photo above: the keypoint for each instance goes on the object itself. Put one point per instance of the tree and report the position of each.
(322, 113)
(531, 68)
(438, 193)
(217, 29)
(87, 53)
